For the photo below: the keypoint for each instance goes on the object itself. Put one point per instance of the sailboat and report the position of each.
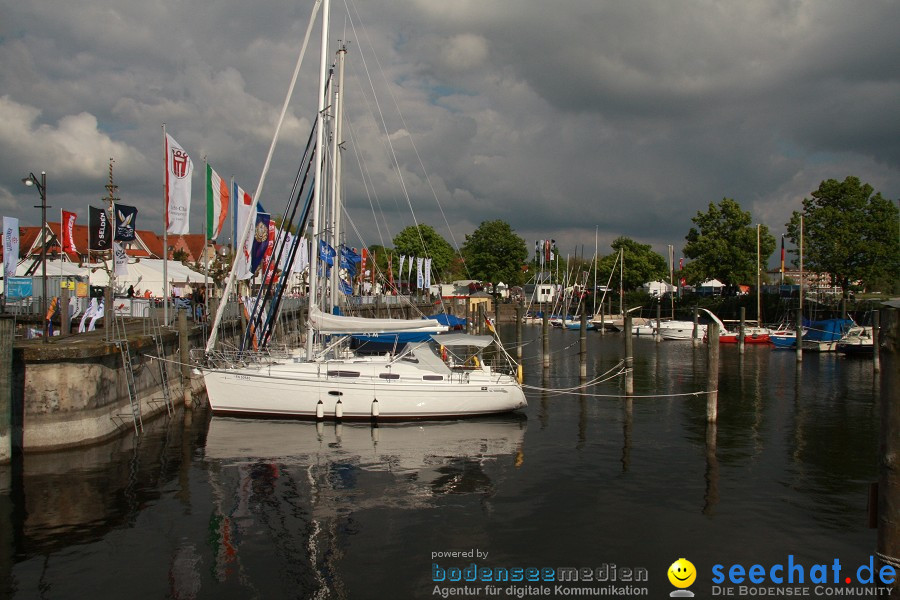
(446, 377)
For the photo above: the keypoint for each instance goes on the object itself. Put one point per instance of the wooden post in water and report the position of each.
(658, 321)
(545, 337)
(876, 342)
(695, 337)
(799, 342)
(519, 310)
(629, 357)
(888, 547)
(184, 358)
(497, 312)
(602, 321)
(741, 331)
(712, 372)
(582, 347)
(7, 335)
(469, 329)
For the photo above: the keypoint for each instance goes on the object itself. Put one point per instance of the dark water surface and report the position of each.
(222, 508)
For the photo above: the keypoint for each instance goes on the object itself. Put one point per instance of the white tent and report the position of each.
(712, 283)
(657, 288)
(147, 274)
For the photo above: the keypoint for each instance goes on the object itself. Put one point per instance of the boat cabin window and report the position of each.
(388, 376)
(343, 373)
(433, 377)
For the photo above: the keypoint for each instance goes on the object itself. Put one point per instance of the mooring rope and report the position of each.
(888, 560)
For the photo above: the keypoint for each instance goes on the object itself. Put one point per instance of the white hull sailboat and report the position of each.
(325, 381)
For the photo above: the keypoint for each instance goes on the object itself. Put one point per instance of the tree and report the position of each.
(723, 245)
(494, 253)
(642, 264)
(850, 234)
(424, 242)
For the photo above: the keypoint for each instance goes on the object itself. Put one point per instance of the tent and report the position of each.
(146, 274)
(657, 288)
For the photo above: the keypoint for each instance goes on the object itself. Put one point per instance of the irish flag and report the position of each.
(217, 196)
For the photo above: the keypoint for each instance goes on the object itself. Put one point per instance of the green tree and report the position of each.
(642, 264)
(424, 242)
(850, 234)
(494, 253)
(723, 245)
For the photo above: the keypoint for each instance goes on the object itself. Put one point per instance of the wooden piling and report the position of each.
(7, 336)
(658, 321)
(876, 342)
(629, 357)
(799, 342)
(184, 358)
(742, 330)
(712, 372)
(695, 336)
(582, 347)
(519, 312)
(545, 337)
(888, 546)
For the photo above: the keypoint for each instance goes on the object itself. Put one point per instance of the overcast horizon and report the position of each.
(561, 119)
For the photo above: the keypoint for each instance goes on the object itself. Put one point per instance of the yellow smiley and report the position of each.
(682, 573)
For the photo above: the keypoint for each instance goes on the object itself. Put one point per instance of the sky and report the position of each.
(574, 120)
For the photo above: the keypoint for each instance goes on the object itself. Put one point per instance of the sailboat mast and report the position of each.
(336, 173)
(758, 301)
(317, 189)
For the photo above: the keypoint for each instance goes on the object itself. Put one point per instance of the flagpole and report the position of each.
(165, 229)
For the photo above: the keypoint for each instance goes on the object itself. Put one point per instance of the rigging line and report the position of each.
(575, 390)
(625, 396)
(368, 184)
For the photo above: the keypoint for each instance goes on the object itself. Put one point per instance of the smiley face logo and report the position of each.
(682, 573)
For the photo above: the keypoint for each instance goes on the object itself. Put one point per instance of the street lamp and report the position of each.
(41, 186)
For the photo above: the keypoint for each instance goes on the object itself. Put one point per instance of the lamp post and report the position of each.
(42, 190)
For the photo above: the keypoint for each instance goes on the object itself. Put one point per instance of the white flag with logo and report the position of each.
(10, 247)
(179, 169)
(121, 260)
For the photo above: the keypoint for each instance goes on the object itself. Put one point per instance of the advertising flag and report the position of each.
(217, 200)
(243, 201)
(179, 169)
(427, 273)
(419, 275)
(10, 247)
(67, 231)
(100, 232)
(126, 217)
(121, 260)
(782, 254)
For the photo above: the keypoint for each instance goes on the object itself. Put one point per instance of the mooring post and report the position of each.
(658, 321)
(469, 329)
(742, 330)
(799, 338)
(695, 336)
(519, 310)
(712, 372)
(888, 547)
(545, 337)
(629, 357)
(582, 346)
(184, 357)
(7, 336)
(876, 342)
(602, 320)
(497, 312)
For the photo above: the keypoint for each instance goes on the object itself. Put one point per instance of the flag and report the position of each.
(67, 231)
(179, 169)
(242, 214)
(427, 273)
(10, 249)
(349, 260)
(400, 270)
(126, 218)
(217, 199)
(326, 253)
(420, 277)
(301, 261)
(260, 241)
(121, 260)
(391, 273)
(100, 233)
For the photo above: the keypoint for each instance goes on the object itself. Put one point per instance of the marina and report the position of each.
(204, 506)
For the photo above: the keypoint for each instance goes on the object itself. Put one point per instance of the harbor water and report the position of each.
(212, 507)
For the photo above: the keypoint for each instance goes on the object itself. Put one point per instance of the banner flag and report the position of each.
(10, 248)
(126, 223)
(179, 169)
(260, 241)
(121, 260)
(67, 231)
(100, 232)
(217, 201)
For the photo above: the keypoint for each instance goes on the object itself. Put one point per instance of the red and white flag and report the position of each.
(67, 231)
(244, 202)
(217, 200)
(179, 169)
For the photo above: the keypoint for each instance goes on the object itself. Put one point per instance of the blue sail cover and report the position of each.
(449, 320)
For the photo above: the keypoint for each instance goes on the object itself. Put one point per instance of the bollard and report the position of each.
(583, 346)
(7, 335)
(712, 372)
(742, 330)
(629, 357)
(888, 544)
(545, 336)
